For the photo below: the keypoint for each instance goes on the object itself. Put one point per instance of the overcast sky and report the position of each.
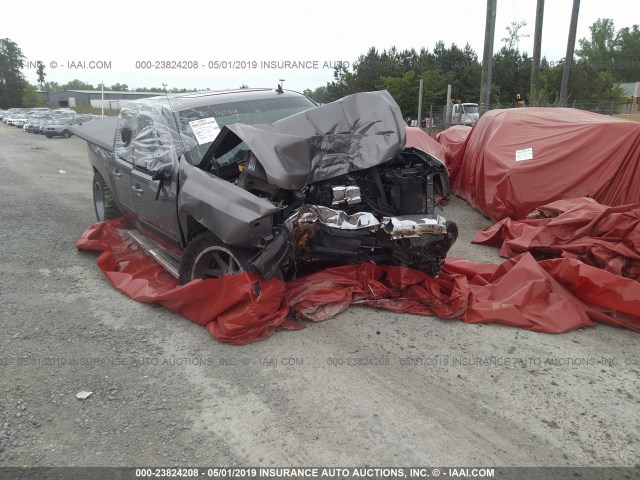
(121, 33)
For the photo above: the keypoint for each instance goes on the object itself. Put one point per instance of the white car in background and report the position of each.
(19, 121)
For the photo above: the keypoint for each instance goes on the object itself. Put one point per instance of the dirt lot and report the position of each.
(634, 117)
(166, 393)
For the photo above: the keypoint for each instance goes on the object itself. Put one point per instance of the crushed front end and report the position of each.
(386, 214)
(347, 189)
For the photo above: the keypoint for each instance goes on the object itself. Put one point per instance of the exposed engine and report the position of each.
(403, 186)
(406, 185)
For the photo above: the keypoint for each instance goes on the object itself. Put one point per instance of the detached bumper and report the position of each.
(317, 233)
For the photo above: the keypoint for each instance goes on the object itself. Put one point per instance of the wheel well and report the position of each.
(95, 170)
(437, 185)
(193, 228)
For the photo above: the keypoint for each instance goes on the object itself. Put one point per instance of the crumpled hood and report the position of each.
(354, 133)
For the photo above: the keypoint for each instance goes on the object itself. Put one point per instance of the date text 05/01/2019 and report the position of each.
(240, 64)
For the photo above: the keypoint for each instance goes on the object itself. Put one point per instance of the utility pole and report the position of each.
(568, 60)
(487, 57)
(420, 103)
(447, 109)
(537, 43)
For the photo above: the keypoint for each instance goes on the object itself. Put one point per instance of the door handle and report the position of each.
(138, 190)
(116, 173)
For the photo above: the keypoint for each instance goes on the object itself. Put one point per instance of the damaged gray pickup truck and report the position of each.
(266, 181)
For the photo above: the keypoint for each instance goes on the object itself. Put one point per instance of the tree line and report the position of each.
(603, 61)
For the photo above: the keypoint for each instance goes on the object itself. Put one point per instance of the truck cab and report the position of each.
(465, 113)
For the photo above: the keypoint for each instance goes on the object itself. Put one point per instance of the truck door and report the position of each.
(456, 116)
(120, 167)
(156, 209)
(156, 217)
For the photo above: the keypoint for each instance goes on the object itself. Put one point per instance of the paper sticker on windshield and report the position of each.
(524, 154)
(205, 130)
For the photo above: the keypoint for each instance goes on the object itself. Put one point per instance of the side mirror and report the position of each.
(126, 134)
(164, 175)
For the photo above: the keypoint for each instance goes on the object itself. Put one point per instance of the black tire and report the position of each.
(206, 256)
(48, 136)
(103, 202)
(66, 134)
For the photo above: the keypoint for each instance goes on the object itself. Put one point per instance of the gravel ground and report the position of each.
(165, 393)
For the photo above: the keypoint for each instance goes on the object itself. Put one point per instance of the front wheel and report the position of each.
(208, 257)
(66, 134)
(103, 201)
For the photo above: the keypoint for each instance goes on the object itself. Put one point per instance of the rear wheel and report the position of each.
(206, 256)
(103, 201)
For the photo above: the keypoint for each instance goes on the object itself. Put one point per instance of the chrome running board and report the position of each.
(170, 264)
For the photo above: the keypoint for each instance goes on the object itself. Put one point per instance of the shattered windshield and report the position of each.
(202, 124)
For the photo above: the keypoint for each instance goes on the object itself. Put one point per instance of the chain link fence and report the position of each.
(436, 116)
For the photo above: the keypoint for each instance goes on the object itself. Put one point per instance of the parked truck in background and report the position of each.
(465, 113)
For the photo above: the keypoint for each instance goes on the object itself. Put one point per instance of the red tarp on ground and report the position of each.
(452, 139)
(573, 154)
(551, 296)
(605, 237)
(421, 140)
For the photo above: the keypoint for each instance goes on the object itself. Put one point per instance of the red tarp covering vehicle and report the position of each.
(518, 159)
(605, 237)
(452, 139)
(421, 140)
(551, 296)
